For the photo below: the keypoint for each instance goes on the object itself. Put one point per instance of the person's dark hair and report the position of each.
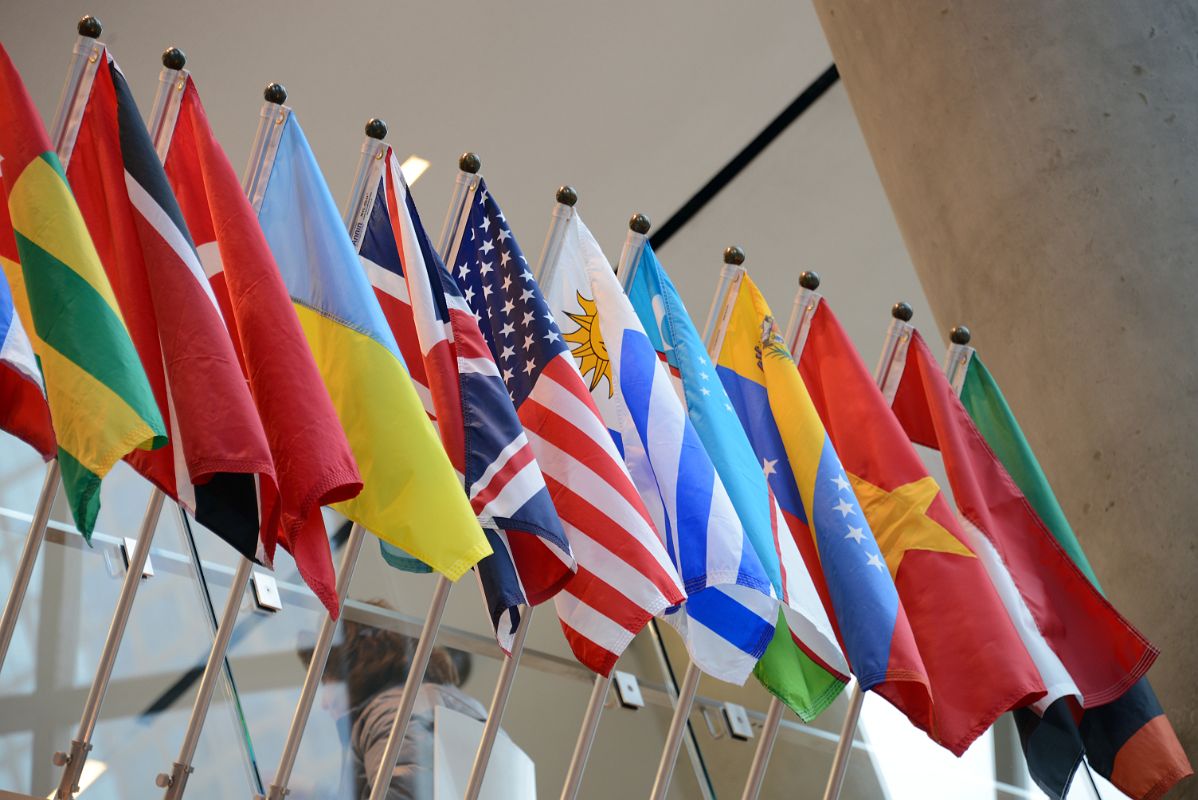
(369, 659)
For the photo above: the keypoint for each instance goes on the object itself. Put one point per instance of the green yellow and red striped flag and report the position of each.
(100, 401)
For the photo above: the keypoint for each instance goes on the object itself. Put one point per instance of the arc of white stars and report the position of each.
(874, 561)
(841, 483)
(856, 534)
(844, 508)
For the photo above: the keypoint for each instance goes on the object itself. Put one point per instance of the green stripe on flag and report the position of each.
(85, 330)
(986, 405)
(790, 675)
(83, 492)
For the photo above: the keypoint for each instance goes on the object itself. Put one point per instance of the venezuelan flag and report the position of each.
(411, 496)
(100, 401)
(816, 496)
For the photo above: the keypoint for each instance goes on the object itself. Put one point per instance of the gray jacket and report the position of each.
(413, 776)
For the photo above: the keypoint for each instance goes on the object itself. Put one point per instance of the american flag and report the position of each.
(624, 576)
(463, 392)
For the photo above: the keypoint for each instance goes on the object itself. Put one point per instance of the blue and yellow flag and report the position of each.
(815, 494)
(807, 686)
(411, 497)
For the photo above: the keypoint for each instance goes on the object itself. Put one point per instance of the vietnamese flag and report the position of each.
(1081, 644)
(311, 454)
(977, 667)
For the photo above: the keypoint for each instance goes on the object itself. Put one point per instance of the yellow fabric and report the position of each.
(900, 522)
(411, 496)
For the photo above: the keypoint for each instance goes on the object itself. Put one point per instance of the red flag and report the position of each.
(1102, 654)
(218, 464)
(312, 457)
(976, 664)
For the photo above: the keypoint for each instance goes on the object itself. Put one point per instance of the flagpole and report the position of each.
(956, 361)
(586, 737)
(33, 545)
(468, 167)
(638, 227)
(634, 246)
(563, 209)
(176, 782)
(73, 761)
(716, 325)
(806, 301)
(901, 314)
(765, 748)
(407, 700)
(320, 656)
(840, 761)
(359, 208)
(85, 61)
(503, 689)
(669, 753)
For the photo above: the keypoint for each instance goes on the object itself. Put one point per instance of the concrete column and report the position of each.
(1042, 162)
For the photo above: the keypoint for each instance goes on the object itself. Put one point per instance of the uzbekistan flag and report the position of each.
(1128, 741)
(807, 683)
(218, 458)
(731, 609)
(411, 497)
(310, 452)
(99, 399)
(817, 499)
(1080, 643)
(977, 666)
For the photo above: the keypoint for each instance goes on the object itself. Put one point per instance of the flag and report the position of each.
(731, 609)
(623, 577)
(478, 425)
(1080, 644)
(99, 399)
(808, 686)
(217, 456)
(976, 664)
(311, 455)
(410, 497)
(818, 501)
(1128, 741)
(23, 409)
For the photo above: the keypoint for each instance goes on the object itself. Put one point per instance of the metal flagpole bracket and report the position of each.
(407, 700)
(33, 545)
(85, 62)
(956, 362)
(73, 761)
(503, 689)
(563, 209)
(468, 167)
(806, 301)
(628, 690)
(634, 246)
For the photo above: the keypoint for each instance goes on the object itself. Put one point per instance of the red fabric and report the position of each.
(23, 411)
(977, 666)
(312, 457)
(1103, 653)
(176, 330)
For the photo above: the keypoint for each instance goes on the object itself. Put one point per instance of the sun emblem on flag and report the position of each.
(587, 344)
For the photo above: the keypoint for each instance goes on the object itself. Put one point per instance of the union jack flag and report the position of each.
(624, 576)
(448, 359)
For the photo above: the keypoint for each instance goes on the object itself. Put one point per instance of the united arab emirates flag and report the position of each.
(1129, 741)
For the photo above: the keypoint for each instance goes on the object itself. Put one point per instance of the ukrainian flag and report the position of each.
(100, 401)
(411, 496)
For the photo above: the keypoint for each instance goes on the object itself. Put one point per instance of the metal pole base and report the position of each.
(175, 783)
(72, 764)
(669, 753)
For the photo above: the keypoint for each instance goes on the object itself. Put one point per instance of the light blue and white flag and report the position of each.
(731, 609)
(678, 343)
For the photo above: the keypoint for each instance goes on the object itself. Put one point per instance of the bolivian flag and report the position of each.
(411, 496)
(100, 400)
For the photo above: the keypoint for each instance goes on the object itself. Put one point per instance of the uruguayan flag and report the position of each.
(730, 612)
